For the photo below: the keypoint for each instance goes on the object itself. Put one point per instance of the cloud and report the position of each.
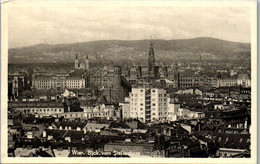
(59, 23)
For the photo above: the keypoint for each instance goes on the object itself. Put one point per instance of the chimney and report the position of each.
(245, 125)
(50, 137)
(68, 139)
(44, 134)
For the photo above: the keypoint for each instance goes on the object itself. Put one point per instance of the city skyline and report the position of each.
(129, 79)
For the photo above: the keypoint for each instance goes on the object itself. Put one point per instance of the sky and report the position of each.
(60, 23)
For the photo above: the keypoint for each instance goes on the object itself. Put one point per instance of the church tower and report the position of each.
(151, 60)
(76, 62)
(86, 63)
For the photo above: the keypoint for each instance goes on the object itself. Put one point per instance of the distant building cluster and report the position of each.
(150, 110)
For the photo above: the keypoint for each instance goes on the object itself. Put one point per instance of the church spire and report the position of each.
(151, 60)
(76, 56)
(86, 56)
(151, 44)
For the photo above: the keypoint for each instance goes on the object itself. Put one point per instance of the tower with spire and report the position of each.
(81, 65)
(86, 63)
(151, 60)
(76, 62)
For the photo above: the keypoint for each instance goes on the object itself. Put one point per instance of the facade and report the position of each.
(41, 108)
(188, 80)
(81, 65)
(172, 111)
(125, 109)
(103, 78)
(149, 105)
(244, 80)
(227, 82)
(101, 111)
(17, 82)
(58, 82)
(89, 112)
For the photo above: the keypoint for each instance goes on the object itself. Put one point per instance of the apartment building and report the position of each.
(41, 108)
(149, 104)
(58, 82)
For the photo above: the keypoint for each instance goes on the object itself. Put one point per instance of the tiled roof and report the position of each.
(231, 140)
(119, 124)
(71, 124)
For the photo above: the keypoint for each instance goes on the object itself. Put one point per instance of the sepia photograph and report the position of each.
(128, 81)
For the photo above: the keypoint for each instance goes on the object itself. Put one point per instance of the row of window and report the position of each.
(48, 87)
(60, 81)
(52, 84)
(44, 110)
(89, 115)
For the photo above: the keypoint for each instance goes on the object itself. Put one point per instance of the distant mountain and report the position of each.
(134, 50)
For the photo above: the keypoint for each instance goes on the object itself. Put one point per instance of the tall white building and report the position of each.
(149, 104)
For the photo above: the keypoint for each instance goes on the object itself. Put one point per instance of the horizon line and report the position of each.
(122, 40)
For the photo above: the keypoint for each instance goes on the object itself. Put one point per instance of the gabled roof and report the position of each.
(231, 140)
(119, 124)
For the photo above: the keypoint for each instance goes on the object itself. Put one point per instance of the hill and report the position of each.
(132, 50)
